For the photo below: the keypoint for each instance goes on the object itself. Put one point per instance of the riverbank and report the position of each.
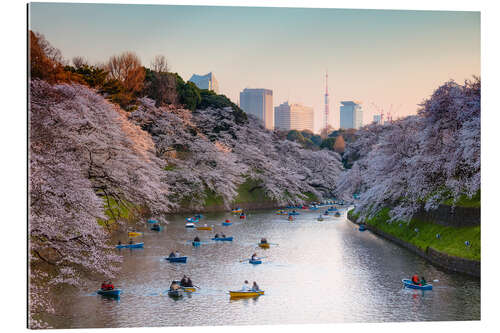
(441, 245)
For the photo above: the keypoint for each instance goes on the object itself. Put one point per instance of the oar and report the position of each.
(196, 286)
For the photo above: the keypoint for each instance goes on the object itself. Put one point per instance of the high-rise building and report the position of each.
(258, 102)
(207, 81)
(293, 116)
(351, 115)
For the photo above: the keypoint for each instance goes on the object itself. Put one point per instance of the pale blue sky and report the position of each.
(380, 56)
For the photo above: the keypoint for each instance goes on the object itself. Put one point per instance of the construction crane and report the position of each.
(380, 110)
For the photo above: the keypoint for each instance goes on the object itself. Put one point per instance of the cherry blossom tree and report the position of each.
(428, 158)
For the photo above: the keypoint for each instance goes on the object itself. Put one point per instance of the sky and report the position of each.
(389, 59)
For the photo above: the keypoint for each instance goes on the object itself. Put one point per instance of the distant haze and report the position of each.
(380, 56)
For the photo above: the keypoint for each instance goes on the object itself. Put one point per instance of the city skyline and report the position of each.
(375, 56)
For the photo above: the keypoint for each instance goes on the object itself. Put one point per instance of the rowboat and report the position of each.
(337, 214)
(226, 223)
(362, 228)
(293, 213)
(176, 259)
(264, 245)
(255, 261)
(130, 246)
(113, 292)
(152, 221)
(407, 283)
(203, 228)
(196, 243)
(241, 294)
(175, 293)
(134, 233)
(223, 239)
(189, 225)
(156, 228)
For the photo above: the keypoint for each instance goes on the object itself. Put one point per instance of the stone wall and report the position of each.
(451, 216)
(443, 260)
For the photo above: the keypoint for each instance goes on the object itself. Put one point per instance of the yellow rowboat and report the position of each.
(264, 245)
(237, 211)
(241, 294)
(134, 234)
(203, 228)
(189, 289)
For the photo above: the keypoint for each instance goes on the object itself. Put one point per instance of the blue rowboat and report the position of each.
(255, 261)
(224, 239)
(152, 221)
(113, 293)
(176, 259)
(130, 246)
(408, 284)
(226, 223)
(156, 228)
(362, 228)
(196, 243)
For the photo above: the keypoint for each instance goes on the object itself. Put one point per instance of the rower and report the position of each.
(171, 255)
(216, 236)
(263, 241)
(245, 287)
(255, 286)
(415, 279)
(176, 254)
(197, 239)
(184, 281)
(254, 256)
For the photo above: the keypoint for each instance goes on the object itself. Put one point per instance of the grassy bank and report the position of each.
(451, 241)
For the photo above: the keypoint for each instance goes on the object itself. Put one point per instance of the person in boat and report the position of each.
(415, 279)
(184, 281)
(119, 242)
(174, 285)
(423, 282)
(216, 236)
(104, 286)
(131, 241)
(189, 283)
(290, 218)
(176, 254)
(196, 239)
(255, 286)
(246, 286)
(254, 256)
(293, 211)
(110, 286)
(171, 255)
(223, 236)
(263, 241)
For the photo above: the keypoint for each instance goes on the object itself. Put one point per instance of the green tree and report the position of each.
(328, 143)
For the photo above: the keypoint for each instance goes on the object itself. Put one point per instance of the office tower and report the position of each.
(293, 116)
(207, 81)
(351, 115)
(258, 102)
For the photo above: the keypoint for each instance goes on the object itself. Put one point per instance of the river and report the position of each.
(319, 272)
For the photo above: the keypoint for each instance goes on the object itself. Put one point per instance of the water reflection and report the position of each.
(318, 272)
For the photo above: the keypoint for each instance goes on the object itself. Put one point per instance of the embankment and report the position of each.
(442, 245)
